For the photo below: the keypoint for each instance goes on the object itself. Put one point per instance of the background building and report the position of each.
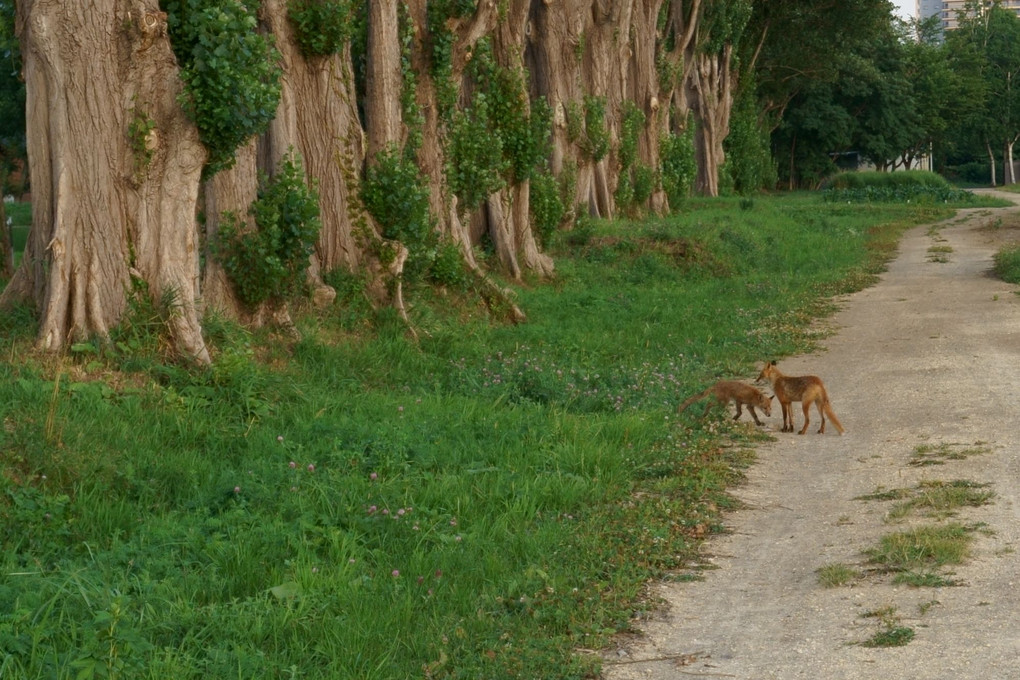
(946, 10)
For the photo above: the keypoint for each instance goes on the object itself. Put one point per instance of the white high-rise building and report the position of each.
(947, 10)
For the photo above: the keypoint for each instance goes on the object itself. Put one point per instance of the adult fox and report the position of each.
(808, 389)
(741, 394)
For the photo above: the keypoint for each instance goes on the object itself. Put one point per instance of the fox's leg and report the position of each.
(821, 414)
(753, 414)
(787, 416)
(740, 411)
(807, 419)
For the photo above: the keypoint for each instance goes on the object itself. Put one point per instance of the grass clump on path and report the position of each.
(480, 504)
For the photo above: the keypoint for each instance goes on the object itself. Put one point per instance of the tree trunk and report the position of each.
(1009, 173)
(711, 94)
(383, 80)
(228, 191)
(115, 170)
(555, 46)
(318, 117)
(991, 159)
(520, 250)
(644, 90)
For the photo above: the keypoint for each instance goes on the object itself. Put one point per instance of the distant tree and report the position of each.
(814, 69)
(985, 49)
(12, 96)
(942, 96)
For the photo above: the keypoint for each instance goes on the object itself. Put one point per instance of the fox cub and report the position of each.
(808, 389)
(743, 395)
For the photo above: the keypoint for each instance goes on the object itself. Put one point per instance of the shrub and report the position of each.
(547, 208)
(1007, 264)
(397, 197)
(321, 27)
(679, 167)
(230, 71)
(267, 262)
(912, 185)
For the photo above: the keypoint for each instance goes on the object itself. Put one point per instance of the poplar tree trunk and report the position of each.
(115, 168)
(710, 87)
(228, 191)
(509, 211)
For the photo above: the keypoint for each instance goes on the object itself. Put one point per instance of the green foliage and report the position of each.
(914, 185)
(476, 164)
(595, 143)
(230, 72)
(414, 119)
(644, 180)
(441, 40)
(586, 126)
(479, 503)
(12, 95)
(748, 153)
(321, 27)
(396, 195)
(1007, 264)
(679, 168)
(546, 206)
(266, 263)
(636, 182)
(630, 130)
(448, 267)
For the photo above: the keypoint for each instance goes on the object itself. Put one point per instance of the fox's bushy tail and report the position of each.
(691, 400)
(832, 415)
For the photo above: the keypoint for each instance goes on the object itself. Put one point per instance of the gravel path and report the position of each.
(929, 357)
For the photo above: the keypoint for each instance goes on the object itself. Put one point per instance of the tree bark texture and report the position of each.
(710, 91)
(112, 201)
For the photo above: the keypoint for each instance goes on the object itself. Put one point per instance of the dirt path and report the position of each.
(929, 356)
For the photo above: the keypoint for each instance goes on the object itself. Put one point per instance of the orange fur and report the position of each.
(807, 389)
(741, 394)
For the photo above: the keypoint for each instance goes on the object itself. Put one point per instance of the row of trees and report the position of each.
(221, 154)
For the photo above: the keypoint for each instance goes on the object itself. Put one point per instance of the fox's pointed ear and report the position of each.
(772, 363)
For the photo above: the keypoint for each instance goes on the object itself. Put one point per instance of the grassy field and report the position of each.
(486, 502)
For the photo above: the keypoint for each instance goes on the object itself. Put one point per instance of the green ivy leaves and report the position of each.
(267, 263)
(230, 72)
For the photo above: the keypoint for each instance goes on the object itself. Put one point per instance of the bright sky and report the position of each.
(905, 8)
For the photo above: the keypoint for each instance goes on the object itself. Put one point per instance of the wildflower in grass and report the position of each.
(292, 465)
(400, 409)
(311, 467)
(373, 476)
(237, 489)
(279, 438)
(372, 509)
(395, 573)
(453, 521)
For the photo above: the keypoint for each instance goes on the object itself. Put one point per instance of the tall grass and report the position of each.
(481, 504)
